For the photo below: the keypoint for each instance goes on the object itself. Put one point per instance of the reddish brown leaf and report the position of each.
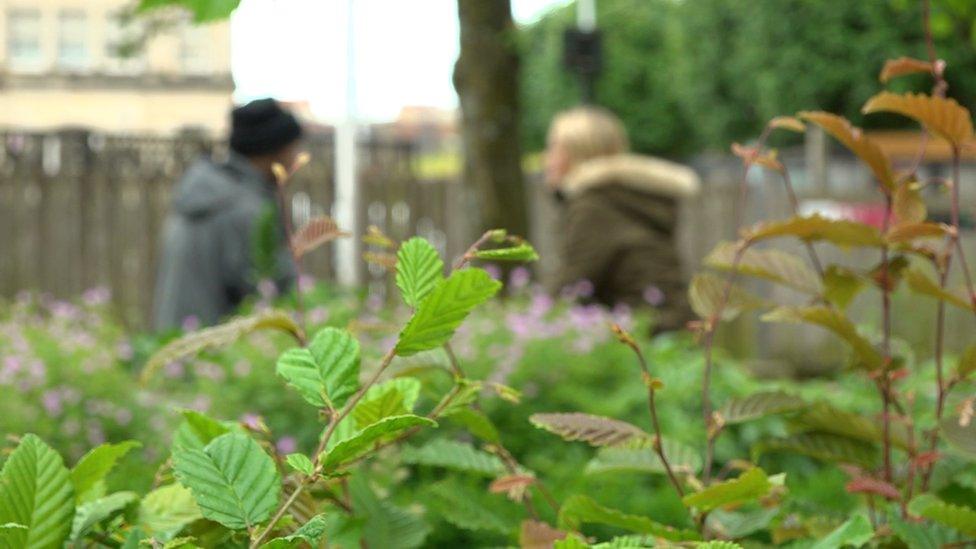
(751, 155)
(853, 138)
(873, 486)
(788, 123)
(926, 459)
(908, 232)
(387, 261)
(939, 115)
(538, 535)
(313, 234)
(512, 485)
(894, 68)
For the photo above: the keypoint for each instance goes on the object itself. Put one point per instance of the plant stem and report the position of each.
(885, 381)
(795, 209)
(469, 254)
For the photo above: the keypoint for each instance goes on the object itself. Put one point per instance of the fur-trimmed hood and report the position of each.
(642, 173)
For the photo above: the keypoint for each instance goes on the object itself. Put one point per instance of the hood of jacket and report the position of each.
(644, 174)
(208, 187)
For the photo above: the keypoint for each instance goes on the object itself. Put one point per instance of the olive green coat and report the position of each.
(620, 215)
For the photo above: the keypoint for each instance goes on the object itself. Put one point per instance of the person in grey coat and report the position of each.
(207, 265)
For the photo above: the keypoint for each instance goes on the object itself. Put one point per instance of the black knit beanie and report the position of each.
(262, 127)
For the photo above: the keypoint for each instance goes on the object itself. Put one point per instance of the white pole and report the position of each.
(346, 208)
(586, 15)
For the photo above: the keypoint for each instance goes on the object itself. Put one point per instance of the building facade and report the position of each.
(63, 63)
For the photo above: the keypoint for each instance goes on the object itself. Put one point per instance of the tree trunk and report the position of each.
(486, 79)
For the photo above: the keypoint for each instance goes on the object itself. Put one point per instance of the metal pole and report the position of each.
(346, 207)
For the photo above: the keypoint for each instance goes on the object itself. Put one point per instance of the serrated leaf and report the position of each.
(836, 322)
(418, 270)
(749, 486)
(855, 532)
(443, 310)
(466, 393)
(908, 205)
(780, 267)
(958, 517)
(300, 463)
(578, 510)
(841, 285)
(233, 480)
(386, 525)
(450, 454)
(760, 405)
(477, 423)
(902, 66)
(362, 441)
(908, 232)
(740, 523)
(310, 532)
(596, 430)
(89, 473)
(961, 437)
(218, 336)
(923, 285)
(967, 362)
(167, 510)
(316, 232)
(922, 535)
(940, 115)
(520, 252)
(394, 397)
(91, 513)
(326, 373)
(457, 505)
(822, 417)
(682, 459)
(707, 295)
(197, 430)
(854, 139)
(823, 446)
(813, 228)
(36, 492)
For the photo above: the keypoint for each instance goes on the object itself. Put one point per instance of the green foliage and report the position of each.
(960, 436)
(363, 440)
(166, 510)
(835, 321)
(462, 508)
(958, 517)
(97, 510)
(823, 446)
(37, 494)
(203, 11)
(88, 475)
(394, 397)
(749, 486)
(418, 269)
(579, 509)
(596, 430)
(780, 267)
(856, 532)
(450, 454)
(300, 463)
(523, 251)
(197, 430)
(232, 480)
(326, 373)
(444, 309)
(759, 405)
(682, 459)
(310, 532)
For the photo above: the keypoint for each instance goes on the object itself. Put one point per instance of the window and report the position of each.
(194, 49)
(72, 40)
(24, 38)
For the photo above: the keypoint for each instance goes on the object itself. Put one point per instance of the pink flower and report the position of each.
(267, 289)
(493, 271)
(519, 278)
(51, 400)
(286, 445)
(251, 421)
(191, 323)
(96, 296)
(306, 283)
(654, 296)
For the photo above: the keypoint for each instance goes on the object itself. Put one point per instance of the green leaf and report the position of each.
(774, 265)
(466, 394)
(816, 228)
(462, 508)
(578, 509)
(477, 423)
(390, 398)
(822, 417)
(89, 473)
(520, 252)
(447, 305)
(961, 437)
(823, 446)
(836, 322)
(741, 523)
(682, 459)
(921, 284)
(958, 517)
(717, 544)
(707, 296)
(36, 492)
(450, 454)
(300, 463)
(310, 532)
(967, 362)
(760, 405)
(89, 514)
(571, 541)
(418, 269)
(386, 525)
(197, 430)
(749, 486)
(232, 479)
(203, 11)
(855, 532)
(167, 510)
(326, 373)
(362, 441)
(841, 285)
(922, 535)
(218, 336)
(596, 430)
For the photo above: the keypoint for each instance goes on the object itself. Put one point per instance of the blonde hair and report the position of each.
(585, 133)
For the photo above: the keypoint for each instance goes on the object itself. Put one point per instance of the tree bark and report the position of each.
(486, 79)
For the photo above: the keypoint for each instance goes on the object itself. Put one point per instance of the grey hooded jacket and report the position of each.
(207, 259)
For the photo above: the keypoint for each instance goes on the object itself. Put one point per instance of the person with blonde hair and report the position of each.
(620, 212)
